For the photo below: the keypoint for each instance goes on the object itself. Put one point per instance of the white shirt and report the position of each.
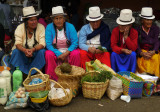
(95, 41)
(30, 42)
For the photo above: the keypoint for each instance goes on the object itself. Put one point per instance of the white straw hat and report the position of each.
(29, 12)
(94, 14)
(125, 17)
(58, 10)
(147, 13)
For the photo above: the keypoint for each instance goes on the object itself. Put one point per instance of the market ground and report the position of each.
(80, 104)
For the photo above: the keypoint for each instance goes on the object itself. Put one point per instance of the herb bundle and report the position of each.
(99, 77)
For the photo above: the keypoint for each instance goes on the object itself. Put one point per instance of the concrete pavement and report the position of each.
(80, 104)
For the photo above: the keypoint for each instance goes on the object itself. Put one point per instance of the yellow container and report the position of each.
(38, 100)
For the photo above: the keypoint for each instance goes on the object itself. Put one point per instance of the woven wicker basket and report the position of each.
(73, 79)
(37, 87)
(94, 90)
(64, 100)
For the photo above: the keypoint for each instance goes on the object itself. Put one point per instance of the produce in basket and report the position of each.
(40, 94)
(98, 66)
(65, 67)
(94, 84)
(101, 77)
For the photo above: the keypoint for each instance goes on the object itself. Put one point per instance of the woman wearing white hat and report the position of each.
(61, 42)
(93, 35)
(28, 50)
(124, 43)
(148, 60)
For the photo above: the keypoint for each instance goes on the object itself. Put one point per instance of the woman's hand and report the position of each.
(126, 51)
(146, 55)
(29, 52)
(92, 50)
(63, 57)
(152, 52)
(99, 51)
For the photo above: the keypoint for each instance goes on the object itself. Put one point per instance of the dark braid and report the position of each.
(55, 31)
(65, 30)
(35, 41)
(25, 23)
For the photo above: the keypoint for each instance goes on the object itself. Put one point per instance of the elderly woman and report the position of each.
(61, 42)
(29, 43)
(124, 43)
(93, 35)
(148, 44)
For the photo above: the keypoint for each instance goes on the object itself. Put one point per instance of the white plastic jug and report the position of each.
(3, 90)
(6, 73)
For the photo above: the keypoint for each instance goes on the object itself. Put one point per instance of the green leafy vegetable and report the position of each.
(106, 74)
(92, 61)
(40, 94)
(101, 77)
(102, 49)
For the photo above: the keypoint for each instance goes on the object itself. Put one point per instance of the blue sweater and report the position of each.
(71, 35)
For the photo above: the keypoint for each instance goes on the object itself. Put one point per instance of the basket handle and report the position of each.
(61, 87)
(29, 74)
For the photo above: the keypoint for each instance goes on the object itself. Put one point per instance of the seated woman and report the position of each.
(148, 60)
(28, 50)
(93, 35)
(61, 42)
(124, 43)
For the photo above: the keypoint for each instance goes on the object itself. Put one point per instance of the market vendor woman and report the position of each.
(28, 50)
(148, 44)
(61, 42)
(92, 36)
(124, 43)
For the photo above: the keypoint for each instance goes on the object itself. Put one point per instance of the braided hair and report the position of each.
(35, 41)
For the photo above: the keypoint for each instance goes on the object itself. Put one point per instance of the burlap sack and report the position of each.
(115, 88)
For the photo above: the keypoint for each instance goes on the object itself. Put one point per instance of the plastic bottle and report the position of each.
(17, 79)
(3, 90)
(6, 74)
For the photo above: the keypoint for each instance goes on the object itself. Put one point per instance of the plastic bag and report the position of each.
(36, 81)
(16, 105)
(115, 88)
(14, 102)
(40, 107)
(13, 99)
